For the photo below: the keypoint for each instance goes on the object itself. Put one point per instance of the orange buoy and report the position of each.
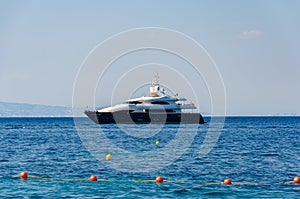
(157, 142)
(297, 179)
(159, 179)
(108, 157)
(93, 178)
(24, 175)
(227, 181)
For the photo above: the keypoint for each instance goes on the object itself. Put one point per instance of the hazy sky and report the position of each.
(255, 45)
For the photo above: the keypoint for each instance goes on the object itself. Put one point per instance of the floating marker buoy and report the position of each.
(108, 157)
(23, 175)
(157, 142)
(227, 181)
(297, 179)
(93, 178)
(159, 179)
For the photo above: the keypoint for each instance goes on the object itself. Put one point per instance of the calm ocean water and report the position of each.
(264, 151)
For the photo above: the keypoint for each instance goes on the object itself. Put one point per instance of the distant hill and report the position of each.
(8, 109)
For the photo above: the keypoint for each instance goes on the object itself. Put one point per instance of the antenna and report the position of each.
(156, 79)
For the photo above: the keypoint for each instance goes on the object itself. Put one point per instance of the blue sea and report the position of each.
(258, 154)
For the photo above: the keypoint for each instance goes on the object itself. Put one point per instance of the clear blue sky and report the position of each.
(255, 44)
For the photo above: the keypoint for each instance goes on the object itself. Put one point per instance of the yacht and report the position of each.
(156, 108)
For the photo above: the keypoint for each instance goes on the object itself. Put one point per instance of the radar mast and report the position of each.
(154, 89)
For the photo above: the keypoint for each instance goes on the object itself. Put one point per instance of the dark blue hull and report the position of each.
(125, 117)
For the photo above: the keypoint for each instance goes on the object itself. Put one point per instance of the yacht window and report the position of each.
(135, 102)
(170, 110)
(159, 102)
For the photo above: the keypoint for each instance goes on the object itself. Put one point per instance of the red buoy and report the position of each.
(93, 178)
(159, 179)
(297, 179)
(227, 181)
(24, 175)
